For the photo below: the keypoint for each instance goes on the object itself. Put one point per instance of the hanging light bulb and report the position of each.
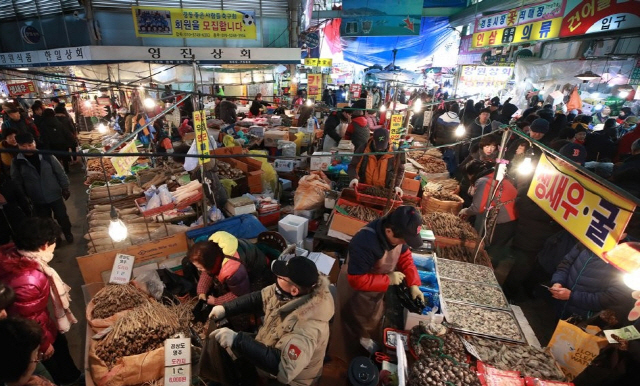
(460, 131)
(149, 103)
(598, 107)
(102, 128)
(417, 106)
(309, 102)
(623, 94)
(383, 108)
(117, 230)
(526, 167)
(632, 280)
(1, 100)
(87, 103)
(4, 95)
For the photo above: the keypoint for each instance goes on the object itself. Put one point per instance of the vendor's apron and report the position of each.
(359, 314)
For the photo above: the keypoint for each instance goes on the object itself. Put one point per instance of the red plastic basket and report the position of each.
(373, 200)
(140, 202)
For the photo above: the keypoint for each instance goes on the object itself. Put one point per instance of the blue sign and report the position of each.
(312, 39)
(30, 34)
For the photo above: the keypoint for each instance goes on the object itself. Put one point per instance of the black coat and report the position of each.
(331, 126)
(600, 147)
(627, 175)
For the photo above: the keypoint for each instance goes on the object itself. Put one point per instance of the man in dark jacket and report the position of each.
(481, 125)
(37, 108)
(56, 136)
(21, 122)
(627, 175)
(228, 111)
(584, 284)
(494, 107)
(257, 105)
(44, 181)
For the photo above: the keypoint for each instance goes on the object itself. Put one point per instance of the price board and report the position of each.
(122, 269)
(177, 362)
(16, 89)
(355, 90)
(395, 129)
(123, 164)
(202, 136)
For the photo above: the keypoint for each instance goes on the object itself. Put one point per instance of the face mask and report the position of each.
(281, 294)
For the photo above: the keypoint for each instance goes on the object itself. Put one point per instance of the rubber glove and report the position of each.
(399, 191)
(226, 241)
(416, 293)
(354, 183)
(202, 296)
(224, 336)
(395, 277)
(217, 313)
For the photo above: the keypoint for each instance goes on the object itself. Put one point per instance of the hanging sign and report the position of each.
(314, 86)
(355, 90)
(122, 269)
(202, 136)
(634, 78)
(591, 16)
(381, 18)
(177, 362)
(315, 62)
(593, 214)
(123, 164)
(524, 33)
(23, 88)
(395, 128)
(523, 15)
(193, 23)
(312, 40)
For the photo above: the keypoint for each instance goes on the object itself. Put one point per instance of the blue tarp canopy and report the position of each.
(413, 51)
(245, 226)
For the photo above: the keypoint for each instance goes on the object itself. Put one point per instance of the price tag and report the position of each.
(122, 268)
(470, 349)
(369, 101)
(177, 362)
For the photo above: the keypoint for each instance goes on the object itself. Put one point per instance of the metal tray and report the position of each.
(442, 284)
(458, 327)
(489, 275)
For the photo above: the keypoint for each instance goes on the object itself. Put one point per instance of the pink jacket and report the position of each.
(233, 275)
(32, 291)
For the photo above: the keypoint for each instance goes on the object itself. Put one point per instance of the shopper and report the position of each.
(228, 111)
(481, 125)
(358, 130)
(626, 126)
(538, 130)
(485, 150)
(580, 135)
(19, 353)
(377, 169)
(625, 112)
(20, 122)
(377, 99)
(601, 145)
(37, 108)
(507, 111)
(14, 207)
(8, 142)
(625, 142)
(44, 181)
(446, 124)
(494, 107)
(258, 105)
(379, 256)
(468, 113)
(291, 343)
(327, 98)
(584, 284)
(559, 124)
(56, 136)
(334, 126)
(25, 267)
(602, 115)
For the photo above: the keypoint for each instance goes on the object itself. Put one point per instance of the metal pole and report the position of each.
(195, 108)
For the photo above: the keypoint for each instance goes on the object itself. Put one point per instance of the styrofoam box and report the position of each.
(320, 163)
(411, 319)
(284, 165)
(293, 228)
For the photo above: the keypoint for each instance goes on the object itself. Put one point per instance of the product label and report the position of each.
(122, 268)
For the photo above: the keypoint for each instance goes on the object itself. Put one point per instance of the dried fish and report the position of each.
(449, 225)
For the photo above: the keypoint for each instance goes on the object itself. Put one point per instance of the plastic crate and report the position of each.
(373, 200)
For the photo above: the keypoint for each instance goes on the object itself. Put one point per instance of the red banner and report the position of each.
(591, 16)
(355, 90)
(16, 89)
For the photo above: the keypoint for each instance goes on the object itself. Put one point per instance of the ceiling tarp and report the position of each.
(413, 51)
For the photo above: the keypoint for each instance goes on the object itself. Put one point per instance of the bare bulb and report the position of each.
(417, 106)
(460, 131)
(102, 128)
(149, 103)
(117, 230)
(383, 108)
(623, 94)
(632, 280)
(87, 103)
(309, 102)
(526, 167)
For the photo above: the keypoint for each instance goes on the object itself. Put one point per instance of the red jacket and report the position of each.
(32, 291)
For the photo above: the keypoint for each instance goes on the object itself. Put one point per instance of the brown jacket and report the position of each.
(300, 330)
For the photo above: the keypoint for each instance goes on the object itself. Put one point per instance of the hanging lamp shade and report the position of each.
(625, 256)
(587, 76)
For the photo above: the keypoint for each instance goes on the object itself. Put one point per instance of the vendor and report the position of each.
(375, 252)
(257, 106)
(290, 346)
(334, 126)
(214, 191)
(377, 170)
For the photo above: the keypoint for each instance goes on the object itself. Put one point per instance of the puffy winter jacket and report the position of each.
(476, 129)
(594, 284)
(32, 291)
(358, 132)
(228, 112)
(445, 128)
(44, 187)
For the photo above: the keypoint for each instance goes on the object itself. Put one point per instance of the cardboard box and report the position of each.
(344, 227)
(271, 138)
(327, 265)
(321, 161)
(293, 228)
(410, 187)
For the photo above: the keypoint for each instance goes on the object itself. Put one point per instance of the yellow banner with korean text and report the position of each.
(202, 136)
(123, 164)
(193, 23)
(530, 32)
(314, 86)
(395, 129)
(593, 214)
(318, 62)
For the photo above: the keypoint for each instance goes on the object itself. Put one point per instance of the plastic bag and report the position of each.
(165, 196)
(311, 191)
(153, 203)
(269, 177)
(150, 282)
(148, 194)
(428, 279)
(424, 263)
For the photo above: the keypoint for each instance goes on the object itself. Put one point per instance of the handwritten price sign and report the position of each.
(202, 136)
(122, 269)
(395, 129)
(177, 362)
(123, 164)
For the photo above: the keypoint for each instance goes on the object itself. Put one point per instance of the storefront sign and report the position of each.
(314, 86)
(202, 137)
(381, 18)
(315, 62)
(523, 15)
(312, 39)
(23, 88)
(634, 78)
(155, 54)
(395, 129)
(123, 164)
(485, 76)
(193, 23)
(593, 214)
(122, 269)
(177, 362)
(591, 16)
(355, 90)
(30, 34)
(524, 33)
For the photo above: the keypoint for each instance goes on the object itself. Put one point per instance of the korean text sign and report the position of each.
(202, 136)
(16, 89)
(314, 83)
(530, 32)
(523, 15)
(593, 214)
(395, 128)
(193, 23)
(591, 16)
(123, 164)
